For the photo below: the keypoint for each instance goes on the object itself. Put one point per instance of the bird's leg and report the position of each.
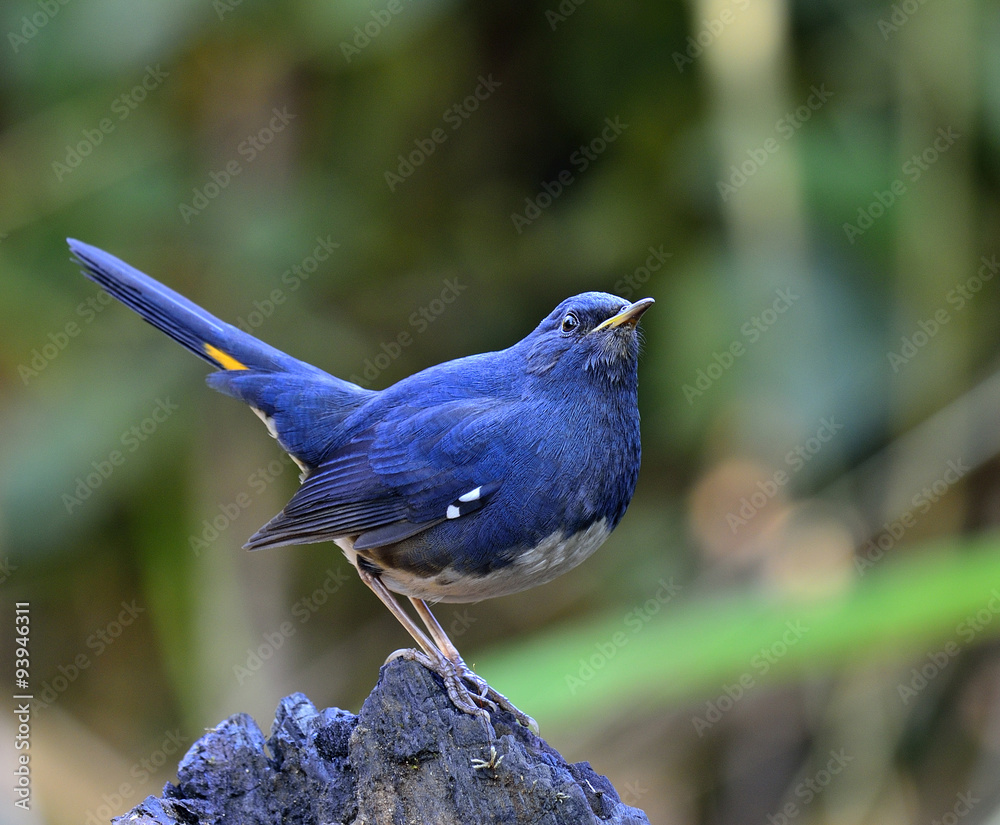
(429, 656)
(440, 638)
(484, 693)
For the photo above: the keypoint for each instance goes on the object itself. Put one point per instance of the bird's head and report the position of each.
(594, 332)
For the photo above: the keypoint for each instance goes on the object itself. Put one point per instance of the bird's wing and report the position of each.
(304, 413)
(410, 471)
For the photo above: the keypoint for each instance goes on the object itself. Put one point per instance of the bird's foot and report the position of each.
(485, 694)
(460, 695)
(457, 677)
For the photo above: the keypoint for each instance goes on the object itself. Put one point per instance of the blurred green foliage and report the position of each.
(810, 192)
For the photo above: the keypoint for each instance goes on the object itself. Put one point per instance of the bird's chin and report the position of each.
(617, 351)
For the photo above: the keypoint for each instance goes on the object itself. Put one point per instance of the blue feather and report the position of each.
(461, 470)
(297, 395)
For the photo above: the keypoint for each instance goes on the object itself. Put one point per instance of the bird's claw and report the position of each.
(457, 678)
(486, 695)
(461, 697)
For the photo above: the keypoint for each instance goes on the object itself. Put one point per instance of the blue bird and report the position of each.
(474, 478)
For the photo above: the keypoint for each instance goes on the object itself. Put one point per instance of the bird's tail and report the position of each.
(224, 346)
(302, 406)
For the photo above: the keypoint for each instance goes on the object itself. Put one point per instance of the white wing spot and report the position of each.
(453, 511)
(472, 495)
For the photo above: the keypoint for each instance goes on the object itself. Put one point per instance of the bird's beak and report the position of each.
(630, 315)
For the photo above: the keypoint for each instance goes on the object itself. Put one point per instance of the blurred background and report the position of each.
(797, 621)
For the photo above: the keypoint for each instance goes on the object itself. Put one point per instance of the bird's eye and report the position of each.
(570, 322)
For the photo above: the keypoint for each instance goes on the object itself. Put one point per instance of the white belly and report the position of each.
(554, 556)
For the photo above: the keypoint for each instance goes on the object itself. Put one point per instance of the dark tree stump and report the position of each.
(406, 758)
